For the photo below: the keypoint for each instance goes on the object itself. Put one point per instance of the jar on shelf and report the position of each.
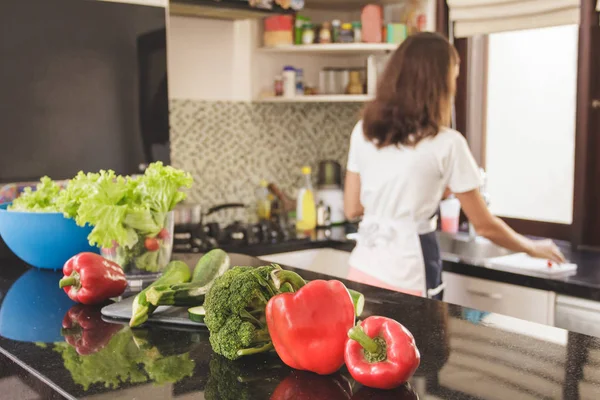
(346, 33)
(278, 85)
(355, 85)
(325, 33)
(357, 31)
(308, 33)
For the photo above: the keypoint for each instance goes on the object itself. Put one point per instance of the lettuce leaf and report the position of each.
(42, 199)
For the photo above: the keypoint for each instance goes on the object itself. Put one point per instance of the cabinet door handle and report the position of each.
(494, 296)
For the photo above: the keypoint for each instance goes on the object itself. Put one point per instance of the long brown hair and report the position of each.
(414, 94)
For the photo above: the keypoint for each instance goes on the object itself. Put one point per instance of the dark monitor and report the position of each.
(83, 86)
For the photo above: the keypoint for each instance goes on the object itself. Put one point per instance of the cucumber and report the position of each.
(176, 272)
(197, 314)
(212, 265)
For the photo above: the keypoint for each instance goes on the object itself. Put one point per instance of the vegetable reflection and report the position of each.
(109, 355)
(302, 385)
(248, 378)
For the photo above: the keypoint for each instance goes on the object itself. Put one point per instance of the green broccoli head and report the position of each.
(235, 311)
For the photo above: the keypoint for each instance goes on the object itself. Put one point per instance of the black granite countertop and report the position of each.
(584, 284)
(465, 354)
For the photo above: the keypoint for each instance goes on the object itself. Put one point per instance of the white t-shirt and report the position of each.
(401, 181)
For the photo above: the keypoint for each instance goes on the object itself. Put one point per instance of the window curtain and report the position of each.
(475, 17)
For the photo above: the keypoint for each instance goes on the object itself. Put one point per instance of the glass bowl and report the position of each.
(148, 258)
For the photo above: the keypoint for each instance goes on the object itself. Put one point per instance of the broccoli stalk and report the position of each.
(235, 308)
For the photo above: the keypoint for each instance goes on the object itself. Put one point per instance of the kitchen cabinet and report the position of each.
(326, 261)
(578, 315)
(515, 301)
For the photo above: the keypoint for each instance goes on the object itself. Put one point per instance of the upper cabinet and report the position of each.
(333, 49)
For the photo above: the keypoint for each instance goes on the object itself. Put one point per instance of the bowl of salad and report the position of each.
(151, 253)
(129, 217)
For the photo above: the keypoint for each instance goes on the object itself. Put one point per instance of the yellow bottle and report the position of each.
(306, 213)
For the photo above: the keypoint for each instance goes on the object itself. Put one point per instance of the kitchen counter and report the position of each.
(466, 354)
(584, 284)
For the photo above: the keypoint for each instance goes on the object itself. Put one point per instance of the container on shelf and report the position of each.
(299, 82)
(278, 85)
(298, 28)
(308, 33)
(372, 20)
(278, 31)
(325, 33)
(357, 31)
(396, 33)
(289, 81)
(336, 26)
(346, 33)
(355, 85)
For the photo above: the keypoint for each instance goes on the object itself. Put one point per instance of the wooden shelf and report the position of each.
(333, 48)
(322, 98)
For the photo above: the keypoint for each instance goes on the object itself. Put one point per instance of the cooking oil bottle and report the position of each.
(306, 214)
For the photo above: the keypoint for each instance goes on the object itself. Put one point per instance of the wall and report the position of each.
(200, 58)
(530, 138)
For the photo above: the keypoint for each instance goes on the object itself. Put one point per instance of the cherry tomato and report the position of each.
(151, 244)
(163, 234)
(549, 264)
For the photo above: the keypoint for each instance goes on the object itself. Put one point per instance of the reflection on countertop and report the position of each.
(465, 354)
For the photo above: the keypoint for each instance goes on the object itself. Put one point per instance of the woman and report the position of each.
(403, 158)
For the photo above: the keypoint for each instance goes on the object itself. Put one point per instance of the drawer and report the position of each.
(515, 301)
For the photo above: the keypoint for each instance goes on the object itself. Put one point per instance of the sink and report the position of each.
(462, 247)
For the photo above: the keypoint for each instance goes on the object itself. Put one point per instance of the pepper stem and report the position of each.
(356, 333)
(282, 276)
(68, 281)
(375, 349)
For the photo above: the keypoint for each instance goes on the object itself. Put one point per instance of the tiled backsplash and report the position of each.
(229, 147)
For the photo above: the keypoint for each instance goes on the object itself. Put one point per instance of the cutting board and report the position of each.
(521, 262)
(162, 315)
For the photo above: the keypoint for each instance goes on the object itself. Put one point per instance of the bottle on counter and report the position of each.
(306, 213)
(289, 81)
(263, 202)
(299, 82)
(336, 26)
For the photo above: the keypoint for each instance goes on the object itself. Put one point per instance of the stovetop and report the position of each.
(204, 237)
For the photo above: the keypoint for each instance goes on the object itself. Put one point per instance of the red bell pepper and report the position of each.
(382, 353)
(84, 329)
(308, 328)
(91, 279)
(300, 385)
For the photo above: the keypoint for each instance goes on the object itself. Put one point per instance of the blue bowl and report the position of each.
(34, 307)
(43, 240)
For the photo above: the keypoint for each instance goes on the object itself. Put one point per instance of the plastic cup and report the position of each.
(450, 212)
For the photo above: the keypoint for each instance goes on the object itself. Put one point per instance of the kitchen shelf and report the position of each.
(333, 48)
(319, 98)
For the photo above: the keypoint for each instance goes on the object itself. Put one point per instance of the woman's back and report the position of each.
(399, 181)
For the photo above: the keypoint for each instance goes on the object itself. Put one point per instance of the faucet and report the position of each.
(486, 198)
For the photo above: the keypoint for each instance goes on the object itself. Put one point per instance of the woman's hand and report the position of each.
(546, 249)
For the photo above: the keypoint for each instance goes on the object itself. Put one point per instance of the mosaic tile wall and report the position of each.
(230, 146)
